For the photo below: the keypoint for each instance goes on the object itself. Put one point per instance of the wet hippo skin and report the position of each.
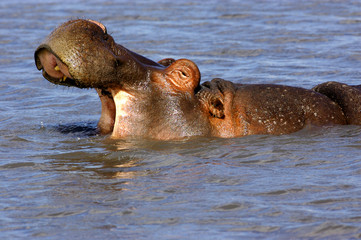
(164, 100)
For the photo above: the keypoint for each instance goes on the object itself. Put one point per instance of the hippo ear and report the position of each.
(216, 107)
(166, 61)
(212, 99)
(183, 75)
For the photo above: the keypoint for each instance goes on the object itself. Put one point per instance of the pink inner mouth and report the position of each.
(52, 65)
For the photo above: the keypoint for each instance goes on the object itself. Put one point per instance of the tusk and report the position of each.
(57, 68)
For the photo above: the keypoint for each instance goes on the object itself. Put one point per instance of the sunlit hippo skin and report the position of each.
(164, 100)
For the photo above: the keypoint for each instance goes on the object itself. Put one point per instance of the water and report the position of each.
(60, 180)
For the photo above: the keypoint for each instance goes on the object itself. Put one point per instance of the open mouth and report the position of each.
(54, 70)
(57, 72)
(64, 80)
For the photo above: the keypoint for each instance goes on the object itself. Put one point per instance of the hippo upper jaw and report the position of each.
(127, 70)
(80, 53)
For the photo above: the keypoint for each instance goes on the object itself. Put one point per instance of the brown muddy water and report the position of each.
(60, 180)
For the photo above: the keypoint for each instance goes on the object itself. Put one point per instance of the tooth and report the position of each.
(57, 68)
(64, 78)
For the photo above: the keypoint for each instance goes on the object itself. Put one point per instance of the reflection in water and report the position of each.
(125, 173)
(103, 164)
(127, 168)
(79, 128)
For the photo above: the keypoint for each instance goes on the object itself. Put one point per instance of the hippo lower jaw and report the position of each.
(108, 113)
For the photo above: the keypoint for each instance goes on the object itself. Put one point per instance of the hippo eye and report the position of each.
(184, 74)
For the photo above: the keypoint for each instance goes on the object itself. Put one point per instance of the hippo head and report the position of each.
(139, 97)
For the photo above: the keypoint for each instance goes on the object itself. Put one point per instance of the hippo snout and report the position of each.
(79, 53)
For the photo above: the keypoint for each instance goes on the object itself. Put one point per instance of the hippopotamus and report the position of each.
(165, 100)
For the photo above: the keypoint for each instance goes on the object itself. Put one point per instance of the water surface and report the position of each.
(60, 180)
